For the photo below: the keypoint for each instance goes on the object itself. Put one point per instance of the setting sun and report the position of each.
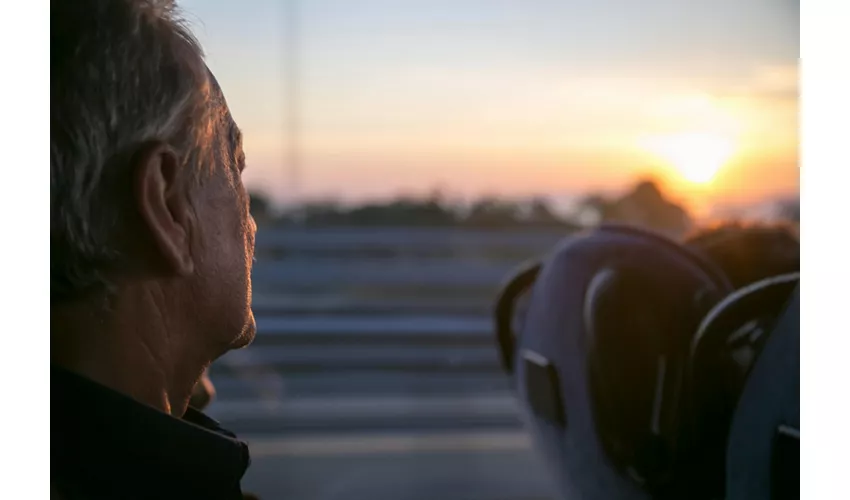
(695, 156)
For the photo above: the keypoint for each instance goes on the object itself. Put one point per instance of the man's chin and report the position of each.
(247, 336)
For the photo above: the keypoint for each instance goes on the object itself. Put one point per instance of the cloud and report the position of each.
(776, 85)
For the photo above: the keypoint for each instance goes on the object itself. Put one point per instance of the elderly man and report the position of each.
(151, 251)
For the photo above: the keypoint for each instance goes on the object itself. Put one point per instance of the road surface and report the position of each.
(423, 466)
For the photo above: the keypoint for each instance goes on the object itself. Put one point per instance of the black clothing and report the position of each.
(104, 445)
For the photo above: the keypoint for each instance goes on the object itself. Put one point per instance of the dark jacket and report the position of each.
(104, 445)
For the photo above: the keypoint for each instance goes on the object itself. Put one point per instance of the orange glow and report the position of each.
(696, 156)
(507, 135)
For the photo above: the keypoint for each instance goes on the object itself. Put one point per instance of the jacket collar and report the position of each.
(102, 436)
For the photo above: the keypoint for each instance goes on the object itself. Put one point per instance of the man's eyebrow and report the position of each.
(236, 138)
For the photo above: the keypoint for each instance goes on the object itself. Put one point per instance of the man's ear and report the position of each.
(163, 203)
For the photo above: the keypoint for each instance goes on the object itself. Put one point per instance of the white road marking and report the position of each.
(323, 446)
(341, 407)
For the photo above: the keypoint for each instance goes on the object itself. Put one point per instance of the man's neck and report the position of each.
(132, 357)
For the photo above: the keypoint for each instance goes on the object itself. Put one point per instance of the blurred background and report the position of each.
(405, 155)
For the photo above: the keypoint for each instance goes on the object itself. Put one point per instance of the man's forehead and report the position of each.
(217, 100)
(216, 94)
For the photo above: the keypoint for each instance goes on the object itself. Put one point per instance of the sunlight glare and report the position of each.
(695, 156)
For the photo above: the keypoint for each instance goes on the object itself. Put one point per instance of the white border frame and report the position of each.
(825, 191)
(24, 207)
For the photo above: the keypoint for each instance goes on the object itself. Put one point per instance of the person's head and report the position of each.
(749, 253)
(150, 227)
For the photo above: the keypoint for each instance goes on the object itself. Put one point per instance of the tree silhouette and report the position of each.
(260, 207)
(790, 210)
(644, 205)
(592, 210)
(491, 212)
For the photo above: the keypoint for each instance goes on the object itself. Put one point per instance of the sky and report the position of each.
(509, 97)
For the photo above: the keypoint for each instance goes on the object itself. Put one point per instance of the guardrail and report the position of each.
(404, 240)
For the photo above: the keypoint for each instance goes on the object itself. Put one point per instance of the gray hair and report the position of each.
(123, 73)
